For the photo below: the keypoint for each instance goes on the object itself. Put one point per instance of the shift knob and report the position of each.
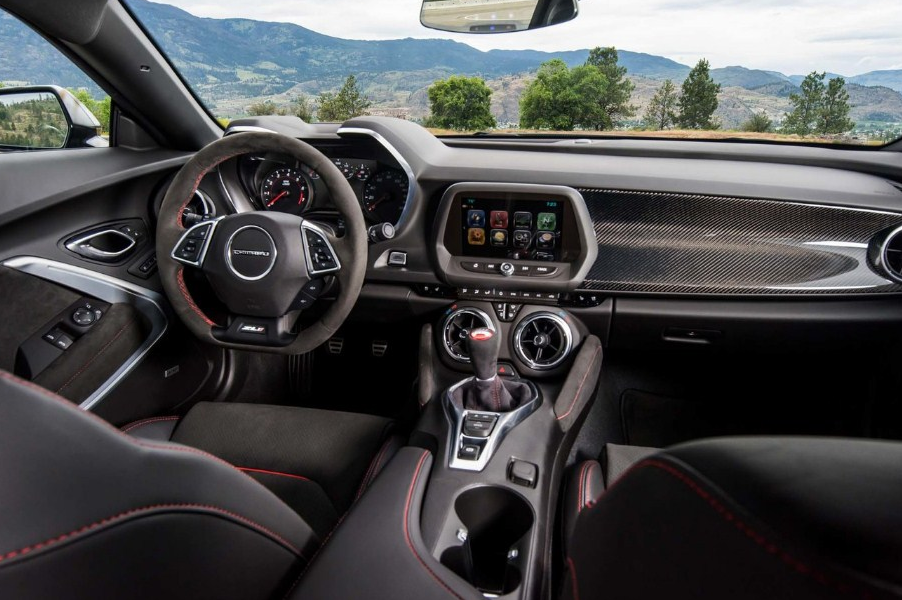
(483, 345)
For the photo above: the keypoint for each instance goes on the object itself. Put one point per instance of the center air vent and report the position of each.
(543, 340)
(886, 253)
(456, 328)
(198, 209)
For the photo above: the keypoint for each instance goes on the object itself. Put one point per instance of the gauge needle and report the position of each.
(373, 205)
(276, 199)
(301, 200)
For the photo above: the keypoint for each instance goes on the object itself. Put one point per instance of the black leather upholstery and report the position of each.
(88, 512)
(746, 518)
(316, 461)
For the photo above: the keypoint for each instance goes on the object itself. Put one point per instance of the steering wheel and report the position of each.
(264, 267)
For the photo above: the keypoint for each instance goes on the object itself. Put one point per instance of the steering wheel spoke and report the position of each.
(320, 250)
(266, 332)
(191, 249)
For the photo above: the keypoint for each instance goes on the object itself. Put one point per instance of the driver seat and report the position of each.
(88, 511)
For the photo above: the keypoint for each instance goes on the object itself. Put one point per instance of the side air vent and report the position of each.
(198, 209)
(543, 340)
(457, 326)
(886, 254)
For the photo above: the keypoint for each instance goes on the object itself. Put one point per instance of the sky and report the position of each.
(848, 37)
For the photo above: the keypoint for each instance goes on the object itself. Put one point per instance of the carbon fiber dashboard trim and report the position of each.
(695, 244)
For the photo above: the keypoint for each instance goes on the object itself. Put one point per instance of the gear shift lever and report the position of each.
(489, 392)
(483, 345)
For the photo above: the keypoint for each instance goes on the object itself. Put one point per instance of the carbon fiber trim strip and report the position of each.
(693, 244)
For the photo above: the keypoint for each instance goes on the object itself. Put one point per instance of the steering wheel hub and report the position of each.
(251, 253)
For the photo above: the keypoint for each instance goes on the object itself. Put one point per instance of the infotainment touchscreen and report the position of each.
(515, 229)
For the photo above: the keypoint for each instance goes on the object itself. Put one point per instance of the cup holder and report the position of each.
(496, 522)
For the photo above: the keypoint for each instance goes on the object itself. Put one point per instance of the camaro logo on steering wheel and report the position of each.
(250, 252)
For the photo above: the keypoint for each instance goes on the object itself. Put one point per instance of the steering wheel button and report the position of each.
(313, 288)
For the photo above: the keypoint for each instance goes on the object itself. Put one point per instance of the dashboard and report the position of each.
(598, 219)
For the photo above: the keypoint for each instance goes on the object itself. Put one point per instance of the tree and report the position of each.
(806, 105)
(698, 99)
(303, 108)
(662, 110)
(264, 109)
(758, 123)
(348, 103)
(99, 108)
(833, 116)
(562, 99)
(461, 103)
(615, 101)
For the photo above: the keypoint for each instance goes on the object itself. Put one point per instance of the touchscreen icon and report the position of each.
(547, 221)
(476, 236)
(498, 219)
(499, 237)
(522, 238)
(545, 240)
(475, 218)
(522, 220)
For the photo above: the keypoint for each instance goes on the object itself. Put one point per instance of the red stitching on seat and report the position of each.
(573, 579)
(267, 472)
(180, 279)
(135, 511)
(143, 422)
(581, 384)
(750, 533)
(372, 470)
(93, 358)
(410, 545)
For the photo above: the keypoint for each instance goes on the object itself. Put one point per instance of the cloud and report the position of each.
(791, 36)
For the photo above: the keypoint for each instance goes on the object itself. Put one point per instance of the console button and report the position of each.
(469, 452)
(505, 369)
(523, 473)
(507, 269)
(543, 271)
(477, 427)
(492, 267)
(474, 266)
(523, 270)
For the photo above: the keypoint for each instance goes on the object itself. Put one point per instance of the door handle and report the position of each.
(108, 245)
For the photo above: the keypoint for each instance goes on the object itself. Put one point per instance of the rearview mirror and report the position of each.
(45, 117)
(495, 16)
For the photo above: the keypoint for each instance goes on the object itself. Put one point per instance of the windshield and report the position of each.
(797, 71)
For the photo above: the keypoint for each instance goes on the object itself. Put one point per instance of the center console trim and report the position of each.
(505, 421)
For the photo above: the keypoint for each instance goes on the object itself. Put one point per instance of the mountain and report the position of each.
(746, 78)
(234, 63)
(890, 79)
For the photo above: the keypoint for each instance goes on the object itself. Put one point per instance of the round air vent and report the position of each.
(886, 253)
(543, 340)
(456, 328)
(198, 208)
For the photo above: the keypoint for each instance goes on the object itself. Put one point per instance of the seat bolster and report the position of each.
(155, 429)
(583, 486)
(67, 473)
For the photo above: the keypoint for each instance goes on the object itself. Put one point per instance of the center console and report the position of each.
(506, 374)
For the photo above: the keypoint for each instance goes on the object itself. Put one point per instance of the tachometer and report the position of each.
(385, 195)
(286, 190)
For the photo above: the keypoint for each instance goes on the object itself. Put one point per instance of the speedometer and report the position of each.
(385, 196)
(285, 190)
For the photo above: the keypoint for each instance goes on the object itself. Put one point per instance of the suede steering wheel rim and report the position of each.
(288, 249)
